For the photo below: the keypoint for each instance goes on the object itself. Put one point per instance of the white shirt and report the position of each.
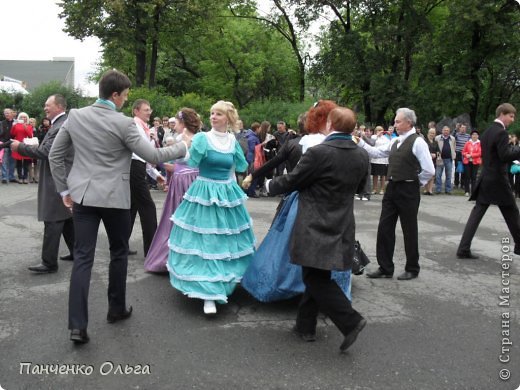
(380, 142)
(419, 149)
(56, 117)
(150, 170)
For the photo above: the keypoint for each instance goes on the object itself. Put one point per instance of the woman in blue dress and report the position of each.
(212, 241)
(271, 275)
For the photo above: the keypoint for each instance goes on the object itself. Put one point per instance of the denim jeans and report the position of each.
(8, 165)
(447, 167)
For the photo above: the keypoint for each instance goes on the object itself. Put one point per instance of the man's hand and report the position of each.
(14, 145)
(160, 179)
(67, 201)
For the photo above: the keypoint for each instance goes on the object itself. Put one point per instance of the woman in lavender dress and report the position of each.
(188, 121)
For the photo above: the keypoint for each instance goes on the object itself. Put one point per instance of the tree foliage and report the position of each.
(442, 58)
(439, 57)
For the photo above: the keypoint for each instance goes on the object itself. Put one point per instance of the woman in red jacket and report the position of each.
(472, 158)
(19, 131)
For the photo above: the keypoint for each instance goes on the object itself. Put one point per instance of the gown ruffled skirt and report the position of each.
(157, 256)
(212, 242)
(271, 276)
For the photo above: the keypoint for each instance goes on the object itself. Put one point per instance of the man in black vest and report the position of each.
(493, 184)
(409, 166)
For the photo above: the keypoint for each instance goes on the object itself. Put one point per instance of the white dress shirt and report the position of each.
(150, 170)
(419, 149)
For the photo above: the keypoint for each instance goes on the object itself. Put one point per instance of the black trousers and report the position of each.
(510, 214)
(460, 178)
(470, 171)
(142, 203)
(52, 232)
(86, 226)
(22, 168)
(323, 294)
(401, 200)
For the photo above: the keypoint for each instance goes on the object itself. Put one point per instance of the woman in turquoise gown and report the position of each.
(212, 241)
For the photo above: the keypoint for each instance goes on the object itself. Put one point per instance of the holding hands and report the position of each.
(246, 183)
(67, 201)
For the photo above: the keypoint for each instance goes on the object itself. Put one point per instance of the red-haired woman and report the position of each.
(271, 276)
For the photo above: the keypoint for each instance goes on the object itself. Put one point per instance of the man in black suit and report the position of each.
(56, 217)
(323, 237)
(140, 198)
(493, 185)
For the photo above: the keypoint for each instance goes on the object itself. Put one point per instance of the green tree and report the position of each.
(130, 24)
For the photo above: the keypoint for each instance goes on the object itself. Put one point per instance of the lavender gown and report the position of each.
(182, 178)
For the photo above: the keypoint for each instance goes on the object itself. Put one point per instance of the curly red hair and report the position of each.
(317, 115)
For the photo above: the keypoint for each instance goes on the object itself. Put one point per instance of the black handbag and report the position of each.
(360, 260)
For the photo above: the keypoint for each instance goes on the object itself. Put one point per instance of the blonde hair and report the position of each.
(23, 114)
(228, 109)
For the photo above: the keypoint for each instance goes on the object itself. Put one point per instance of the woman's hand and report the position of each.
(246, 183)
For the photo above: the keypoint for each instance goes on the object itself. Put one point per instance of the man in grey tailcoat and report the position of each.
(56, 217)
(98, 189)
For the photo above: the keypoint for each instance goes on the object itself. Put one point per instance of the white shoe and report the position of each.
(467, 194)
(210, 307)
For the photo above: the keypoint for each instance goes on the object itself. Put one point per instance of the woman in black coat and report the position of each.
(327, 177)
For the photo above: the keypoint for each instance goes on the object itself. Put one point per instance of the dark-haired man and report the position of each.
(57, 218)
(493, 186)
(97, 189)
(140, 199)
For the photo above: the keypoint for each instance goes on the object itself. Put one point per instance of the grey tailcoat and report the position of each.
(50, 204)
(327, 177)
(103, 141)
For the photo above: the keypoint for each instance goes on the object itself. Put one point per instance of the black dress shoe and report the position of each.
(114, 317)
(466, 255)
(42, 269)
(79, 336)
(68, 257)
(309, 337)
(132, 253)
(377, 274)
(407, 276)
(352, 336)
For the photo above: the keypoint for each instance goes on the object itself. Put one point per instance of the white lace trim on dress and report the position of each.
(221, 142)
(228, 256)
(201, 230)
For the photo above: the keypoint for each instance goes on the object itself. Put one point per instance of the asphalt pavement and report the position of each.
(454, 327)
